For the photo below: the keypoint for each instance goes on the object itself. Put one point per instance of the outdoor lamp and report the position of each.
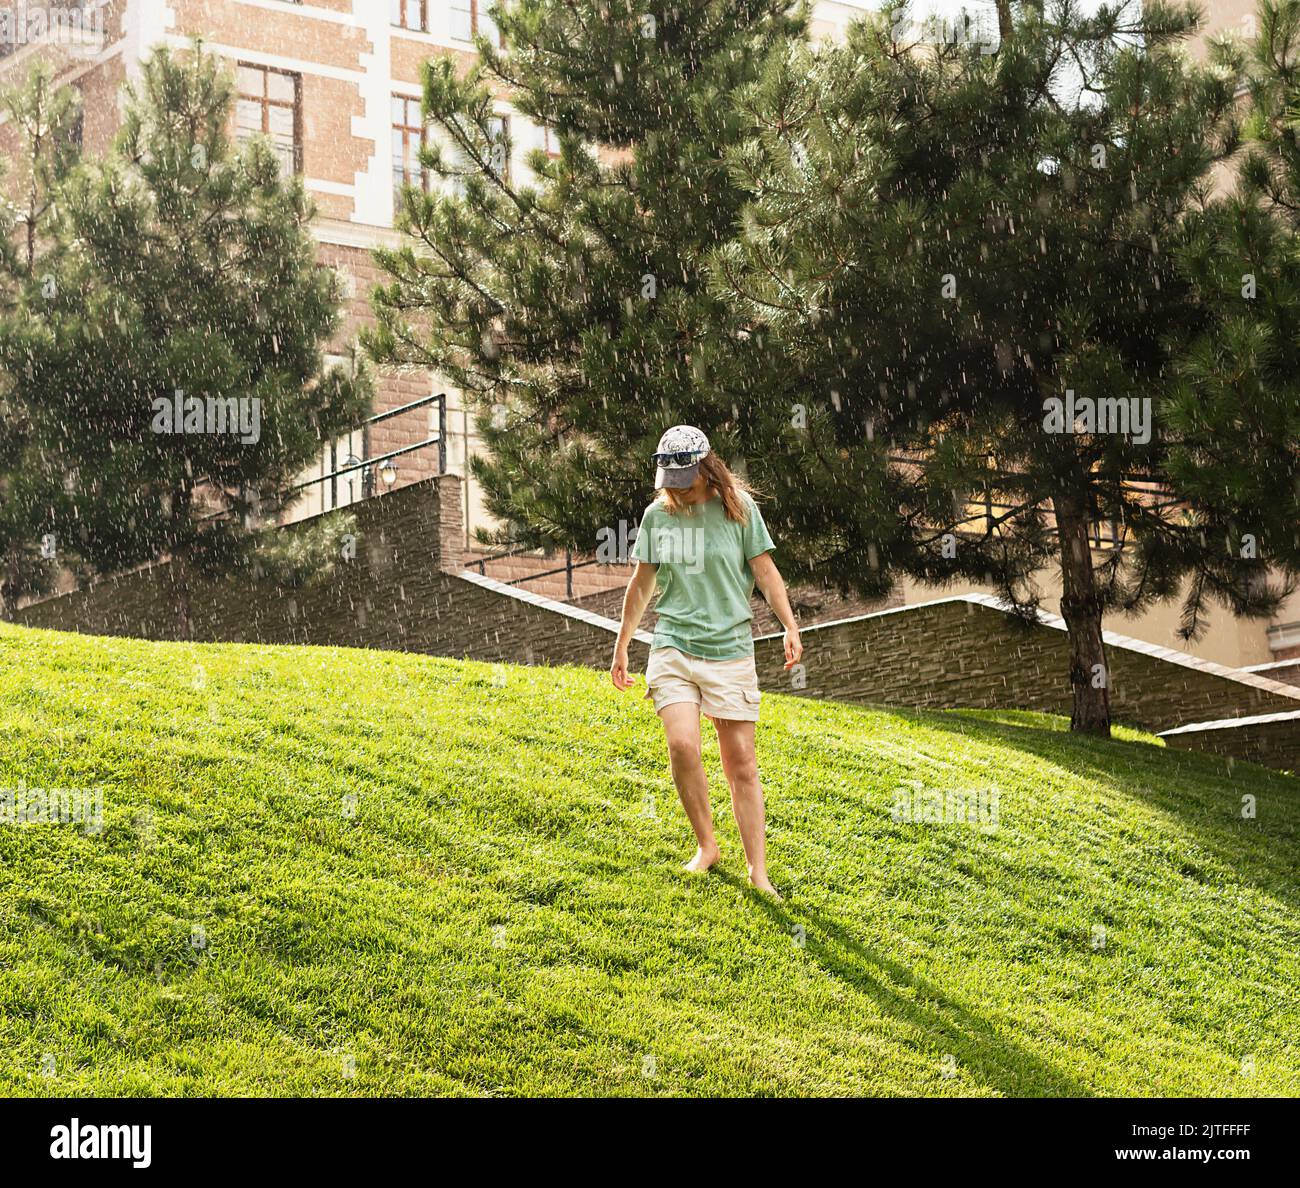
(353, 460)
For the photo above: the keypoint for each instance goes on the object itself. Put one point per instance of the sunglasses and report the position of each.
(681, 458)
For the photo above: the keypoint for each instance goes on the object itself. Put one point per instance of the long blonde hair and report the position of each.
(727, 486)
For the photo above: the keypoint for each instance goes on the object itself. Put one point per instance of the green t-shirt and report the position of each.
(704, 578)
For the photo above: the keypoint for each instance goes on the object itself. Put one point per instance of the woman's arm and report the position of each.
(635, 600)
(768, 579)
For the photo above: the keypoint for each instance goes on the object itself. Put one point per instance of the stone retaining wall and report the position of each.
(967, 651)
(395, 594)
(1270, 739)
(405, 590)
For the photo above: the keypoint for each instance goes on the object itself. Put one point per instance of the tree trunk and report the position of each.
(184, 622)
(1004, 19)
(1081, 609)
(178, 547)
(10, 584)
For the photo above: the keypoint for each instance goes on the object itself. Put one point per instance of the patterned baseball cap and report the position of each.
(678, 457)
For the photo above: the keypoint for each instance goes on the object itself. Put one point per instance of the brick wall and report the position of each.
(1287, 672)
(393, 388)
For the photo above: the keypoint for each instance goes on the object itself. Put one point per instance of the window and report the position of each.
(270, 105)
(408, 139)
(471, 16)
(410, 14)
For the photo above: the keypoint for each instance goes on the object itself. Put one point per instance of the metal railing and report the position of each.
(368, 464)
(568, 568)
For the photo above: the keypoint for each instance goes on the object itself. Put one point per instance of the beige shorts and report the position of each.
(726, 689)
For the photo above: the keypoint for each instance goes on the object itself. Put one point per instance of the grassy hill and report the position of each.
(419, 876)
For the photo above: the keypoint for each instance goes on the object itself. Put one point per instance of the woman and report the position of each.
(704, 544)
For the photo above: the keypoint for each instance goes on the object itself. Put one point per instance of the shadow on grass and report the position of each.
(989, 1057)
(1196, 789)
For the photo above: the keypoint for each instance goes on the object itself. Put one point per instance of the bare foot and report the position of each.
(704, 858)
(762, 883)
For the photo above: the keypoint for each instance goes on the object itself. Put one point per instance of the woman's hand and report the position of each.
(635, 600)
(768, 579)
(618, 669)
(793, 647)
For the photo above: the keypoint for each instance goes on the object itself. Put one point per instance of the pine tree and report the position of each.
(177, 373)
(573, 307)
(964, 249)
(1271, 172)
(1234, 415)
(44, 119)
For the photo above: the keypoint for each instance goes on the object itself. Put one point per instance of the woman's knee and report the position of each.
(742, 772)
(739, 757)
(684, 749)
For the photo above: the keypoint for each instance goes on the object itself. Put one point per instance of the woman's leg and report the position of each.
(740, 764)
(682, 726)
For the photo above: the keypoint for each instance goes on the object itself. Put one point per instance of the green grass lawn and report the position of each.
(500, 909)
